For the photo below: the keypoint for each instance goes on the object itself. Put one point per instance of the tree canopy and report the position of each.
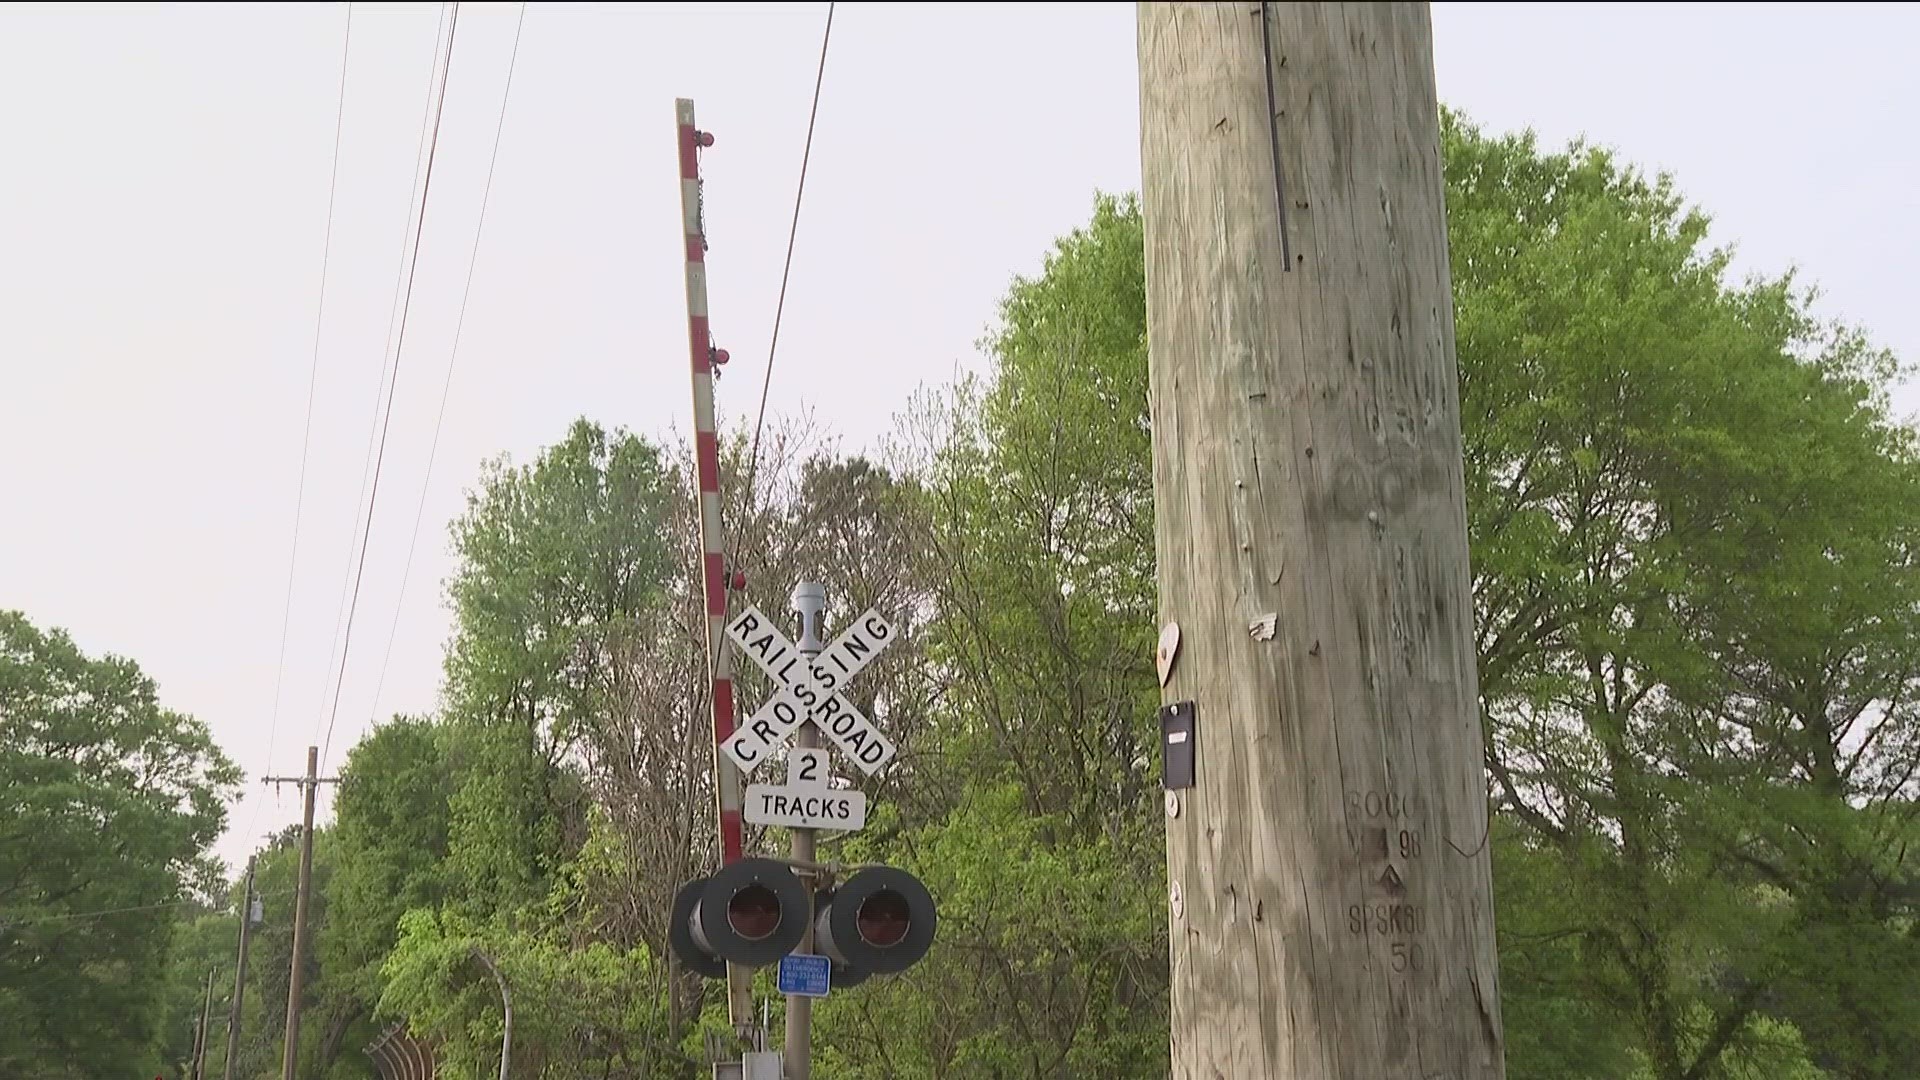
(109, 802)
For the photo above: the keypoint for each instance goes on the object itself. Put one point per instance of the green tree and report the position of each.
(108, 804)
(1040, 536)
(1662, 469)
(203, 943)
(388, 843)
(1692, 578)
(389, 839)
(1044, 965)
(1035, 813)
(583, 1006)
(331, 1017)
(553, 556)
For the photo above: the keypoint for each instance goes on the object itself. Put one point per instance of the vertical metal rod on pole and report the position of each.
(240, 975)
(713, 565)
(810, 601)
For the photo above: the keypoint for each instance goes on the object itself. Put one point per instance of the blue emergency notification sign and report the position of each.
(805, 976)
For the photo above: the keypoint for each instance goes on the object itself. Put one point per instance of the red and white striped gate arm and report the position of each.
(713, 563)
(707, 458)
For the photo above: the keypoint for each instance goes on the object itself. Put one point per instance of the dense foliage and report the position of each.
(1693, 529)
(108, 804)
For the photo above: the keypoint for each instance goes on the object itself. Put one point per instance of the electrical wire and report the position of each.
(753, 460)
(386, 423)
(453, 357)
(388, 357)
(306, 435)
(74, 916)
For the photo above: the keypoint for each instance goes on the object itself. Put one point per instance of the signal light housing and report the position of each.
(844, 977)
(879, 921)
(751, 913)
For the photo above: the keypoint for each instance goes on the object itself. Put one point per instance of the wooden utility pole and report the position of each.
(240, 975)
(200, 1033)
(296, 975)
(1329, 887)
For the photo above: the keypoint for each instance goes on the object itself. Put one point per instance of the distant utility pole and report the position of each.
(1329, 887)
(247, 918)
(296, 976)
(200, 1033)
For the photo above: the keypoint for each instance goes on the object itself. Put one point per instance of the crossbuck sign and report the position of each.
(809, 691)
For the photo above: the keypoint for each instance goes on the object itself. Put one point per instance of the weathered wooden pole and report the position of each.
(1329, 885)
(239, 977)
(199, 1070)
(309, 786)
(296, 974)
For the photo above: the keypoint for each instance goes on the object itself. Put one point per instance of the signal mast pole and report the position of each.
(810, 601)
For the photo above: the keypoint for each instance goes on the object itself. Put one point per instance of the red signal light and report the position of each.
(884, 919)
(754, 913)
(878, 921)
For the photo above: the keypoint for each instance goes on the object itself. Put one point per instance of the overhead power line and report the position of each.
(306, 434)
(773, 344)
(386, 423)
(387, 359)
(75, 916)
(453, 356)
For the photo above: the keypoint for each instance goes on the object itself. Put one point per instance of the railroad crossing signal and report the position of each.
(880, 920)
(756, 911)
(809, 691)
(751, 913)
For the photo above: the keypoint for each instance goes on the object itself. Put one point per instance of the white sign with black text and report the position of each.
(807, 800)
(809, 691)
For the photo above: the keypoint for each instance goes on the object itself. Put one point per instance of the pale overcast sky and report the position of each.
(163, 192)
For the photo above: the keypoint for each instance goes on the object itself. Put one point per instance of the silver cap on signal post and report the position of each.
(810, 600)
